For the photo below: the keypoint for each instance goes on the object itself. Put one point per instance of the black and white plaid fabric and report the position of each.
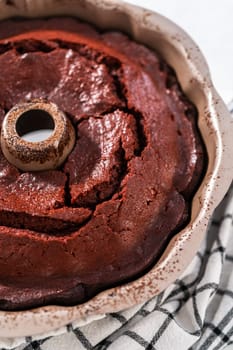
(194, 313)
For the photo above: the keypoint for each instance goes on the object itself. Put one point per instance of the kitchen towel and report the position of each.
(194, 313)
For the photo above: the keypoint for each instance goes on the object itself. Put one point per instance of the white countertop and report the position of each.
(210, 23)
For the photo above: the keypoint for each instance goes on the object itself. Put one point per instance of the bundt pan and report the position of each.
(216, 127)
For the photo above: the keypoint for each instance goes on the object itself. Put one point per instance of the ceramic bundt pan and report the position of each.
(215, 125)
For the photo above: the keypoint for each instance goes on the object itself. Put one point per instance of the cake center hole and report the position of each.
(35, 125)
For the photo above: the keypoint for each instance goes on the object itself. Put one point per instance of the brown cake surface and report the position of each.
(106, 215)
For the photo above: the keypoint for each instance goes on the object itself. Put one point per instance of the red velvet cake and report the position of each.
(105, 216)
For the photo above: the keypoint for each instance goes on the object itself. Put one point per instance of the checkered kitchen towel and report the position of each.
(194, 313)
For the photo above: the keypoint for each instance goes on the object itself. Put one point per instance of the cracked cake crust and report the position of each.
(106, 215)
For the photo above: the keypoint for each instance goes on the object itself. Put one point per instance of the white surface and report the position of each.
(38, 135)
(210, 24)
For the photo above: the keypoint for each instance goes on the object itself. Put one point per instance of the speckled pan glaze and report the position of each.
(216, 126)
(43, 155)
